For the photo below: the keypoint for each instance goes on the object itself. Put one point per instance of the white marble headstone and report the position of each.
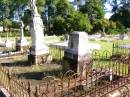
(78, 44)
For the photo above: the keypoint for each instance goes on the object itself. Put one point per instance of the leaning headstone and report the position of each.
(22, 44)
(39, 49)
(78, 54)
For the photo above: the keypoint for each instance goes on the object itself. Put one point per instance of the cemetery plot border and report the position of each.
(104, 77)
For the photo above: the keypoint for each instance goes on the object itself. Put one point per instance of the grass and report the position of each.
(52, 69)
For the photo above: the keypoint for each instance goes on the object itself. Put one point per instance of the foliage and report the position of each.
(95, 11)
(26, 18)
(78, 22)
(58, 25)
(73, 22)
(122, 16)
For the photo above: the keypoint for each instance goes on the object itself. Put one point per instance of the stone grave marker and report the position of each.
(22, 44)
(128, 34)
(39, 49)
(77, 53)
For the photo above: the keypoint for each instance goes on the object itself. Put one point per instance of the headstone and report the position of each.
(103, 34)
(7, 43)
(39, 49)
(66, 37)
(22, 44)
(128, 34)
(78, 54)
(123, 36)
(1, 29)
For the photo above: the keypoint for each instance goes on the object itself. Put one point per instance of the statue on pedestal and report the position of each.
(39, 48)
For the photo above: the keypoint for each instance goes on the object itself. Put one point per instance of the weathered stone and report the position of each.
(40, 59)
(77, 54)
(39, 48)
(22, 44)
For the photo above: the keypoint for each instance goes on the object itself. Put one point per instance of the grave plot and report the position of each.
(101, 79)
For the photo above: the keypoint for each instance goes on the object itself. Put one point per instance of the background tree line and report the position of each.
(60, 17)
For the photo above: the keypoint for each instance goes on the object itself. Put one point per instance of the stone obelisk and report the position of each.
(39, 49)
(22, 44)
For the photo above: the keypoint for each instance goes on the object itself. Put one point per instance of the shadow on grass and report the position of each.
(40, 75)
(18, 64)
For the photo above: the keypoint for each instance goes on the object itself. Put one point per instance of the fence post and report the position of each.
(9, 79)
(36, 92)
(129, 70)
(29, 89)
(128, 80)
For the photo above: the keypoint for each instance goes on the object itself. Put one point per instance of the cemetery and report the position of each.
(75, 64)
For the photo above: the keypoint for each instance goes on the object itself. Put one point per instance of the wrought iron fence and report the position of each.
(104, 77)
(57, 54)
(121, 48)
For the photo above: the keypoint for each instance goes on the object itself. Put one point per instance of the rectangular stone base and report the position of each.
(22, 48)
(78, 66)
(70, 64)
(37, 59)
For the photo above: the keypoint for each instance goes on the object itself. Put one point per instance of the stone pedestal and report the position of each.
(22, 44)
(77, 54)
(8, 43)
(22, 48)
(40, 59)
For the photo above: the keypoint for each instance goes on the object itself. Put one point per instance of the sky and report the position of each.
(108, 14)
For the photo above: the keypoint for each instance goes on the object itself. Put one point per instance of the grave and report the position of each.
(22, 44)
(78, 54)
(39, 49)
(123, 36)
(128, 33)
(8, 43)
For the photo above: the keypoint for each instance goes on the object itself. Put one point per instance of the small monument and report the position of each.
(39, 49)
(78, 54)
(8, 43)
(22, 44)
(128, 33)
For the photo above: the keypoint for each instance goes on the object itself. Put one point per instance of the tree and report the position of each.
(102, 24)
(95, 11)
(63, 8)
(5, 11)
(26, 18)
(74, 22)
(78, 22)
(122, 16)
(7, 23)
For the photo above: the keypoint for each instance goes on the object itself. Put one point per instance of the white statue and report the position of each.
(33, 7)
(37, 31)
